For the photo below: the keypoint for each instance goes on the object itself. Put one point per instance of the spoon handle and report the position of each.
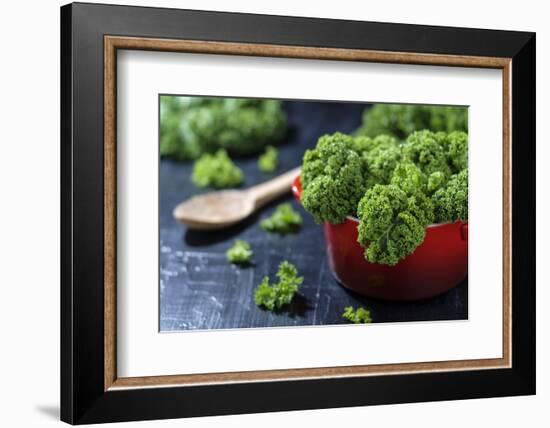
(266, 192)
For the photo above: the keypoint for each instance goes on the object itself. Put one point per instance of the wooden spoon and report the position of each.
(217, 210)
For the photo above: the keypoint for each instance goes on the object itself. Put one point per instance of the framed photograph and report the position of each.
(266, 213)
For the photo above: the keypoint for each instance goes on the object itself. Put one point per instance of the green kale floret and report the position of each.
(364, 145)
(381, 162)
(283, 220)
(409, 178)
(456, 144)
(436, 180)
(425, 149)
(332, 179)
(268, 161)
(358, 316)
(239, 253)
(275, 296)
(448, 119)
(191, 126)
(216, 170)
(171, 144)
(396, 120)
(392, 223)
(402, 120)
(404, 187)
(451, 201)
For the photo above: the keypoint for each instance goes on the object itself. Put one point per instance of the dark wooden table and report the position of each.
(199, 289)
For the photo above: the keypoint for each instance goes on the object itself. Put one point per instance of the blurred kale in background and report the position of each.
(191, 126)
(399, 120)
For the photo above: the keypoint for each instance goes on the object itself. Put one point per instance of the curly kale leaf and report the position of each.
(436, 180)
(456, 144)
(191, 126)
(332, 179)
(357, 316)
(396, 120)
(216, 170)
(284, 220)
(239, 253)
(171, 143)
(402, 120)
(409, 178)
(265, 295)
(382, 160)
(392, 223)
(363, 144)
(275, 296)
(451, 202)
(268, 161)
(239, 127)
(448, 119)
(425, 149)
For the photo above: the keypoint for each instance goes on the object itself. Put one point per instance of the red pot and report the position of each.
(437, 265)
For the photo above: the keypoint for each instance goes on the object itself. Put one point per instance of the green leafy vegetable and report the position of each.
(451, 202)
(392, 222)
(216, 170)
(380, 156)
(426, 150)
(268, 161)
(172, 110)
(409, 178)
(332, 179)
(240, 252)
(457, 150)
(283, 220)
(435, 181)
(358, 316)
(191, 126)
(402, 120)
(396, 184)
(275, 296)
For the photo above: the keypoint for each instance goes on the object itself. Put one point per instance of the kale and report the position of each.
(451, 201)
(402, 120)
(395, 189)
(332, 179)
(268, 161)
(283, 220)
(191, 126)
(216, 170)
(456, 145)
(392, 222)
(358, 316)
(275, 296)
(239, 253)
(381, 160)
(426, 150)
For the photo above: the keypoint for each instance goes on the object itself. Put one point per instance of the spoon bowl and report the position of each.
(214, 210)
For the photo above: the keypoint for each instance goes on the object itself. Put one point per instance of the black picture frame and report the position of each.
(83, 396)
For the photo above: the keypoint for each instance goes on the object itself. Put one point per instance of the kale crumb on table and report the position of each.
(275, 296)
(240, 252)
(284, 220)
(216, 170)
(269, 160)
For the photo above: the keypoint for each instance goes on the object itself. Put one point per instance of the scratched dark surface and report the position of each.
(200, 290)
